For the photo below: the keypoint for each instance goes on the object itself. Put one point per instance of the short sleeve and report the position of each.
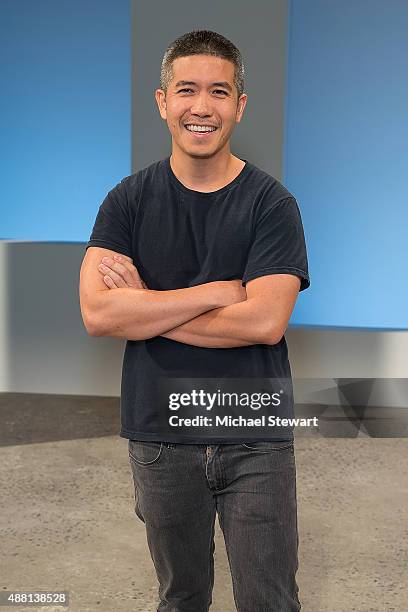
(112, 229)
(278, 244)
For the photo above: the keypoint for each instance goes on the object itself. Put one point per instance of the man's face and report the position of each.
(201, 101)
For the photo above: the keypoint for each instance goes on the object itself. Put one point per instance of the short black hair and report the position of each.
(202, 42)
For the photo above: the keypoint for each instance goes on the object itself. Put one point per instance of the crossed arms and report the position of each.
(219, 314)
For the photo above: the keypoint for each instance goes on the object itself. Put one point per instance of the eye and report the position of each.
(215, 90)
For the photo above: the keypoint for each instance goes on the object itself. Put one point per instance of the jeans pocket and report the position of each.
(145, 453)
(269, 446)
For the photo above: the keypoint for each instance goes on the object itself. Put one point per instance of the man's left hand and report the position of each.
(119, 271)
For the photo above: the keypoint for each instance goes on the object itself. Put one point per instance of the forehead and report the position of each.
(203, 69)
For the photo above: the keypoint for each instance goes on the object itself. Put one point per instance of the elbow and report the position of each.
(93, 330)
(91, 325)
(276, 339)
(88, 313)
(271, 335)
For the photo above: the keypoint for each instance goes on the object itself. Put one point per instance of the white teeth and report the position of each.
(198, 128)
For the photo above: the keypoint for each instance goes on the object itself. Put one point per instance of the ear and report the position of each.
(161, 102)
(240, 107)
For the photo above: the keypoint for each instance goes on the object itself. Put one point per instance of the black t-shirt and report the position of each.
(178, 237)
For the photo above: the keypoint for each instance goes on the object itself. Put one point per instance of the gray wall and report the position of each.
(44, 345)
(258, 29)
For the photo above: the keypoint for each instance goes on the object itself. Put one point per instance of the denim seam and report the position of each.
(149, 462)
(267, 450)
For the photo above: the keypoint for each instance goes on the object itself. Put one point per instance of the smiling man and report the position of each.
(197, 261)
(201, 156)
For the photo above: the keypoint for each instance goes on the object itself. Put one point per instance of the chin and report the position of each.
(203, 155)
(203, 152)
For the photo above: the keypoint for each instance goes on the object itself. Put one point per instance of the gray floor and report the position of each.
(67, 520)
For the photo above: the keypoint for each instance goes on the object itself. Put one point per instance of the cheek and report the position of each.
(172, 124)
(175, 122)
(176, 112)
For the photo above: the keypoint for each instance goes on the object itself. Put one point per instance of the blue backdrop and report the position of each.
(346, 158)
(64, 112)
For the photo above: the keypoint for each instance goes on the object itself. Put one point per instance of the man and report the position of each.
(197, 261)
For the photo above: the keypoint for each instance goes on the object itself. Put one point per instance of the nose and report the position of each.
(201, 106)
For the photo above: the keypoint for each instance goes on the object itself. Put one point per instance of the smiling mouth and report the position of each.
(203, 134)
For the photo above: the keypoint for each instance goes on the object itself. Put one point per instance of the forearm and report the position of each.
(137, 314)
(226, 327)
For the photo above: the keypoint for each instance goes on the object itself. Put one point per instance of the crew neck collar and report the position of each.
(204, 194)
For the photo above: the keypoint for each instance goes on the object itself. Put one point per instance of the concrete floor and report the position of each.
(67, 519)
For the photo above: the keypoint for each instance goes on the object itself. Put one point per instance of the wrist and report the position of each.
(221, 293)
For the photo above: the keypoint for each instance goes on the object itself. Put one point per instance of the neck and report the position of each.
(205, 173)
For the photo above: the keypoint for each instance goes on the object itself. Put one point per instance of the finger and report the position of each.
(123, 258)
(118, 280)
(109, 282)
(126, 269)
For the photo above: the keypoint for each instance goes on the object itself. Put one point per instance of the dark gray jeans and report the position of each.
(179, 488)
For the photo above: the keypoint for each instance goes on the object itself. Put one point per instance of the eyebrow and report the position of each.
(218, 84)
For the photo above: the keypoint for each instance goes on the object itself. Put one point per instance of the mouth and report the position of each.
(201, 135)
